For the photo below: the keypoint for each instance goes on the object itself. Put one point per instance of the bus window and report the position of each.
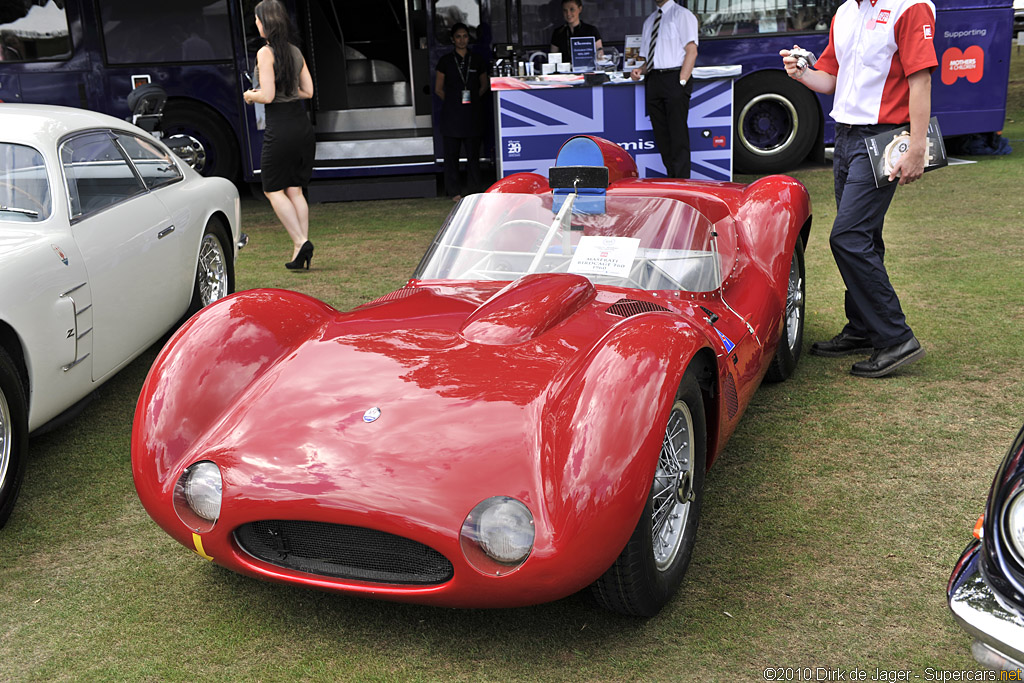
(33, 31)
(183, 31)
(447, 13)
(740, 17)
(613, 20)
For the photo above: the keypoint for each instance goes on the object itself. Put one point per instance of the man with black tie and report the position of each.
(669, 47)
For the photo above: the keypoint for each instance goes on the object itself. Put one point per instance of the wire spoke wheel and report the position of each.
(794, 304)
(212, 273)
(787, 353)
(673, 487)
(6, 437)
(13, 434)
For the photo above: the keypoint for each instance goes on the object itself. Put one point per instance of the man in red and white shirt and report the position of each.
(878, 64)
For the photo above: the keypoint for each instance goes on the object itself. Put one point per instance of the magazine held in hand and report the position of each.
(885, 150)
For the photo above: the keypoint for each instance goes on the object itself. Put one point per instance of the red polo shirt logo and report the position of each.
(883, 17)
(969, 64)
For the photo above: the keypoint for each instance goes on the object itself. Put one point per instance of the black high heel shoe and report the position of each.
(303, 258)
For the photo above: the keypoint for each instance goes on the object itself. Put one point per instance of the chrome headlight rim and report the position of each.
(200, 485)
(498, 535)
(1012, 521)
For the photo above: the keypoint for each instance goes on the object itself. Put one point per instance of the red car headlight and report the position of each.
(498, 535)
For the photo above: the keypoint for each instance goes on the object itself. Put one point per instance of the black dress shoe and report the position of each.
(842, 344)
(884, 361)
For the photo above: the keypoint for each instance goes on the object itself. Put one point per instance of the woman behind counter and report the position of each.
(461, 84)
(281, 82)
(573, 28)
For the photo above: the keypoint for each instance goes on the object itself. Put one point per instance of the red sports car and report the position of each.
(532, 414)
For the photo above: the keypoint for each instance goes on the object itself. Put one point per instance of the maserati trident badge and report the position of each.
(371, 414)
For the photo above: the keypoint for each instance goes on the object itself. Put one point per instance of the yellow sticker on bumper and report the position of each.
(198, 542)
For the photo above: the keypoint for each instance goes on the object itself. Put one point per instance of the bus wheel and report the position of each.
(776, 123)
(206, 140)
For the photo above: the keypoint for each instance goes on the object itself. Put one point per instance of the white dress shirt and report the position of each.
(677, 29)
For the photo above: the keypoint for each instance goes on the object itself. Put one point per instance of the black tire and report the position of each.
(215, 271)
(787, 354)
(207, 128)
(13, 435)
(776, 123)
(645, 577)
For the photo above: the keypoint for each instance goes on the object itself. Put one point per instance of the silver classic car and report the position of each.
(107, 240)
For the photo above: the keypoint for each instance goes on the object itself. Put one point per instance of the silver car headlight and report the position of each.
(1015, 524)
(197, 496)
(498, 535)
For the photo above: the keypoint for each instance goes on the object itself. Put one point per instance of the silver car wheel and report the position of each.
(794, 304)
(673, 487)
(6, 437)
(212, 271)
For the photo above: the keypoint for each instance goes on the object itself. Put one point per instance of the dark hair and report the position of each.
(579, 3)
(277, 29)
(456, 27)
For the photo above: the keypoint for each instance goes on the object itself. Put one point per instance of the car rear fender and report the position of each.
(774, 213)
(207, 366)
(601, 431)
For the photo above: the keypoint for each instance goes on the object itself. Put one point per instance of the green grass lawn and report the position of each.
(830, 526)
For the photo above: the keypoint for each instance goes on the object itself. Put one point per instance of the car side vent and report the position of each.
(344, 552)
(732, 401)
(393, 296)
(629, 307)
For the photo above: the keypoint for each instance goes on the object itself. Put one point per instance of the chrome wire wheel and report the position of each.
(673, 487)
(794, 304)
(6, 437)
(212, 271)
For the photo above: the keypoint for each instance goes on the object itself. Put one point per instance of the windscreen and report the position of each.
(651, 243)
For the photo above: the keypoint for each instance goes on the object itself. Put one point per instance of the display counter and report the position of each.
(535, 115)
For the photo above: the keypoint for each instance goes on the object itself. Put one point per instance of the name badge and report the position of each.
(465, 96)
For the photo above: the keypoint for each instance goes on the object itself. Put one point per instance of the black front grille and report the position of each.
(345, 552)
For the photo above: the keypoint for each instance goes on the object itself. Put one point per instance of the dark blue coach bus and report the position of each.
(372, 65)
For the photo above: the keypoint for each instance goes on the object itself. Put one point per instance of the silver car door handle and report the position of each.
(165, 232)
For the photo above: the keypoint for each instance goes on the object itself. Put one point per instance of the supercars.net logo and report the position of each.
(969, 64)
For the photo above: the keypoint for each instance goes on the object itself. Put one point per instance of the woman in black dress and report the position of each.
(282, 82)
(461, 84)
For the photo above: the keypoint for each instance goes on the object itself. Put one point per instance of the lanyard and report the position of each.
(464, 75)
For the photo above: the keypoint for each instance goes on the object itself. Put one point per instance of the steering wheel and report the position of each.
(18, 190)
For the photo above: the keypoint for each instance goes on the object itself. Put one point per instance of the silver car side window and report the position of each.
(96, 173)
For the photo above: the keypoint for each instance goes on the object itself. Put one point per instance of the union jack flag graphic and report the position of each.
(533, 124)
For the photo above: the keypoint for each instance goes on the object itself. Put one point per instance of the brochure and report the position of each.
(885, 150)
(584, 54)
(631, 52)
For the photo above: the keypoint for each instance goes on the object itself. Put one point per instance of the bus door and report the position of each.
(372, 88)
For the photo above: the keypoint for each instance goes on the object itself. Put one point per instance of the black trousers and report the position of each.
(668, 105)
(872, 307)
(452, 182)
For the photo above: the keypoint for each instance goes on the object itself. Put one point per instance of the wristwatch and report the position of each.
(682, 81)
(894, 150)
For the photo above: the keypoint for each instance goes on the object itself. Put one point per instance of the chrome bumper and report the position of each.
(998, 631)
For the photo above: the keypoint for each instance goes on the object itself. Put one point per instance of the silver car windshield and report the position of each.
(651, 243)
(24, 188)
